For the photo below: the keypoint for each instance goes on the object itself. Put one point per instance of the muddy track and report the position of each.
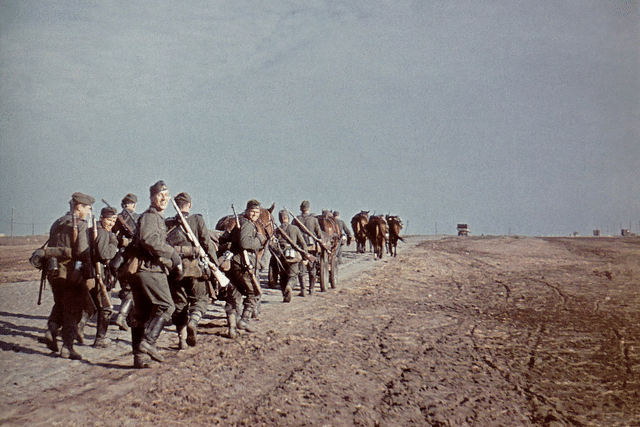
(454, 331)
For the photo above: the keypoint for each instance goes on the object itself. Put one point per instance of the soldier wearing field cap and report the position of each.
(104, 249)
(124, 229)
(153, 305)
(346, 237)
(312, 224)
(189, 291)
(68, 267)
(240, 292)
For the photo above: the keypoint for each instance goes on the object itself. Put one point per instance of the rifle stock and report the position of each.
(220, 277)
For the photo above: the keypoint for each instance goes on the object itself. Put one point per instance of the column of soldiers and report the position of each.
(164, 269)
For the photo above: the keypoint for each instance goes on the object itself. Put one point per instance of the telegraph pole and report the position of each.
(12, 222)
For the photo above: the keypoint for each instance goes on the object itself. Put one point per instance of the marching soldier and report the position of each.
(104, 248)
(125, 229)
(190, 292)
(312, 224)
(68, 268)
(153, 305)
(346, 234)
(245, 242)
(290, 259)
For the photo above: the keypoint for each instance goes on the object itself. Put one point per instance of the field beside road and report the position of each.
(455, 331)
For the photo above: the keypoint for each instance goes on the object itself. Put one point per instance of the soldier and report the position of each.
(104, 248)
(190, 292)
(68, 268)
(312, 224)
(288, 263)
(243, 238)
(125, 229)
(346, 234)
(153, 305)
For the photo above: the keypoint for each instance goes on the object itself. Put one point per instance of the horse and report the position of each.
(395, 225)
(331, 239)
(359, 225)
(377, 232)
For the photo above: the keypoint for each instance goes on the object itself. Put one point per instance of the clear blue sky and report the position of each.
(518, 116)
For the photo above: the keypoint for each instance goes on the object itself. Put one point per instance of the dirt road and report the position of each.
(489, 331)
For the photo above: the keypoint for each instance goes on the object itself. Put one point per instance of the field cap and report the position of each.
(129, 198)
(82, 199)
(157, 187)
(183, 197)
(253, 204)
(108, 212)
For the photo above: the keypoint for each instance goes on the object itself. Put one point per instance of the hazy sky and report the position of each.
(512, 116)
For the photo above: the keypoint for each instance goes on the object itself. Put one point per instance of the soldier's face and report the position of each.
(160, 200)
(83, 210)
(108, 223)
(253, 214)
(131, 207)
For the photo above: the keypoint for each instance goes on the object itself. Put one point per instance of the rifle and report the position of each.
(102, 288)
(246, 261)
(305, 255)
(306, 230)
(205, 262)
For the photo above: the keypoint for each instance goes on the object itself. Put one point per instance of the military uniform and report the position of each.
(312, 224)
(153, 305)
(240, 292)
(190, 292)
(105, 248)
(69, 262)
(124, 230)
(346, 235)
(289, 264)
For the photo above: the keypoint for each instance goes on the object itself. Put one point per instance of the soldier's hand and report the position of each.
(125, 242)
(175, 260)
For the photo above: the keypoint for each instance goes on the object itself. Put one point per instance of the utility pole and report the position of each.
(12, 222)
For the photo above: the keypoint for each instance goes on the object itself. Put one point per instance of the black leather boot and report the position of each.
(51, 336)
(192, 328)
(151, 334)
(125, 308)
(102, 324)
(140, 360)
(301, 281)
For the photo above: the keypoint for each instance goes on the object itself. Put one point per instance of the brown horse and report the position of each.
(377, 232)
(395, 225)
(359, 226)
(331, 236)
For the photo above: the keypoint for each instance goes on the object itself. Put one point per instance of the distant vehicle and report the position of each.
(625, 232)
(596, 233)
(463, 229)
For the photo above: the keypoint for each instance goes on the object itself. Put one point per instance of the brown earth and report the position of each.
(14, 258)
(455, 331)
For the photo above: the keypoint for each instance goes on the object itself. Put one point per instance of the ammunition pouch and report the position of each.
(185, 251)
